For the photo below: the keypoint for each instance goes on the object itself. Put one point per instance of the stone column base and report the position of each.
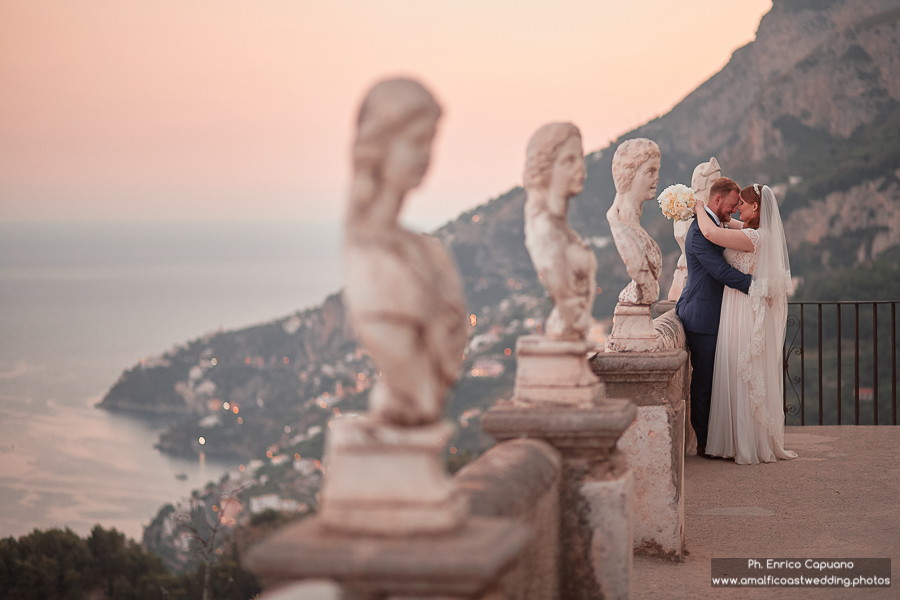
(610, 497)
(654, 444)
(387, 480)
(595, 491)
(632, 330)
(555, 371)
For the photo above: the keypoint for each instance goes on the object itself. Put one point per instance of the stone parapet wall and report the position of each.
(658, 383)
(520, 479)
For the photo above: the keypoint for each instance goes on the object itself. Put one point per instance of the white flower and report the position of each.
(677, 202)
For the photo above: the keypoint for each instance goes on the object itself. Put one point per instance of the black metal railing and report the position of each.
(838, 381)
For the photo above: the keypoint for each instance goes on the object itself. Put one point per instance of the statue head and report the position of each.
(635, 168)
(555, 161)
(396, 126)
(703, 177)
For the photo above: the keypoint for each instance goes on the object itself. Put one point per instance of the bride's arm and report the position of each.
(727, 238)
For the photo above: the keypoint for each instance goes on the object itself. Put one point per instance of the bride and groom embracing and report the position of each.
(734, 311)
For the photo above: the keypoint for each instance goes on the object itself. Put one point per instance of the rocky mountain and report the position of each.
(811, 107)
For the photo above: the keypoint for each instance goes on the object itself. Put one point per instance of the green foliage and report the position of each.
(831, 164)
(796, 6)
(879, 280)
(266, 517)
(60, 565)
(457, 461)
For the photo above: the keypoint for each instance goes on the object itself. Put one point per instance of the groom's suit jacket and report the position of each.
(700, 303)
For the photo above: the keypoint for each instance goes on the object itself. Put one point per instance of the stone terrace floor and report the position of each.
(839, 499)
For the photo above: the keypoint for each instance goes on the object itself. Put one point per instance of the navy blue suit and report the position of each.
(699, 308)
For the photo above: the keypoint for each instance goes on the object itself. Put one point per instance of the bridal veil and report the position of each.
(761, 361)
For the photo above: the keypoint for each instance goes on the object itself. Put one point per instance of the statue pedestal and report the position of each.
(555, 371)
(392, 523)
(654, 444)
(632, 330)
(388, 480)
(560, 401)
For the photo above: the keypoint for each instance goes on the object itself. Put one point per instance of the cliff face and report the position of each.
(812, 108)
(829, 63)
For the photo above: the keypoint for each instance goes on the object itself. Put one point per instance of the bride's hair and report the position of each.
(749, 195)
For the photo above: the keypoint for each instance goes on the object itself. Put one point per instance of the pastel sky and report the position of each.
(185, 110)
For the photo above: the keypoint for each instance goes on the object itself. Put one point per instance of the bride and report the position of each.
(746, 418)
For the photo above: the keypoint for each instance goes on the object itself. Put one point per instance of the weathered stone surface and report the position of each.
(670, 329)
(654, 444)
(643, 378)
(555, 371)
(572, 431)
(583, 526)
(464, 564)
(632, 330)
(611, 518)
(388, 480)
(307, 590)
(586, 437)
(520, 479)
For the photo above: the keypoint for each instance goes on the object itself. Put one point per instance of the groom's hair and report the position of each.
(722, 187)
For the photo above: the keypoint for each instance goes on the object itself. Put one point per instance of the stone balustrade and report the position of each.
(520, 479)
(589, 464)
(513, 490)
(658, 383)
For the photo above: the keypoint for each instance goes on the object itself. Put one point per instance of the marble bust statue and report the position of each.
(554, 172)
(402, 289)
(552, 367)
(635, 169)
(704, 174)
(385, 473)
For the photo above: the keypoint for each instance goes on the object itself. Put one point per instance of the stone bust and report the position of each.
(703, 177)
(402, 289)
(554, 172)
(704, 174)
(635, 169)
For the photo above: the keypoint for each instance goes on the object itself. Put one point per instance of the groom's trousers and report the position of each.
(703, 357)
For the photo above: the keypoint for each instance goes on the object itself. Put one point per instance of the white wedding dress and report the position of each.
(746, 418)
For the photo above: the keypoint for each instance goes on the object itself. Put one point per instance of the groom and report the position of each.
(701, 301)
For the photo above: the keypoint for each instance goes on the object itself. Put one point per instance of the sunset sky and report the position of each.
(186, 110)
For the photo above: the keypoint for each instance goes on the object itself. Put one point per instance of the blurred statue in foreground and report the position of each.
(704, 174)
(385, 470)
(402, 290)
(553, 367)
(635, 169)
(554, 172)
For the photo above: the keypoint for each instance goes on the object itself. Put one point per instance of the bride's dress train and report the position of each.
(746, 419)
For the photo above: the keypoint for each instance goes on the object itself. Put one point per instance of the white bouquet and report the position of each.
(677, 202)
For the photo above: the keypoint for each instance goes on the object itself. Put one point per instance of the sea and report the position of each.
(82, 302)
